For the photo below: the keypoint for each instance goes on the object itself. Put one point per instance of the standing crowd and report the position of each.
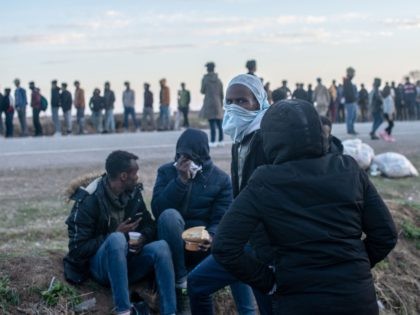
(341, 103)
(295, 228)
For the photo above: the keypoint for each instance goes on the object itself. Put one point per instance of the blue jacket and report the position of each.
(209, 198)
(20, 98)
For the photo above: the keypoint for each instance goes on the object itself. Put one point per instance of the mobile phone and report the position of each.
(136, 217)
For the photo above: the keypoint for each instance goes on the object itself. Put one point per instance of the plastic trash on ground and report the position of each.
(361, 152)
(394, 165)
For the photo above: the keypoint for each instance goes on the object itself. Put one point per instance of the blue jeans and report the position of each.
(9, 124)
(109, 120)
(170, 227)
(21, 111)
(80, 115)
(130, 111)
(113, 265)
(377, 121)
(208, 277)
(56, 119)
(97, 121)
(351, 115)
(164, 117)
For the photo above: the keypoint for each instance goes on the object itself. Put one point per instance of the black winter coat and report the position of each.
(314, 210)
(89, 222)
(203, 201)
(55, 97)
(66, 100)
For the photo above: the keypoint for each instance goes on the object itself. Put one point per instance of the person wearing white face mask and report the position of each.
(245, 105)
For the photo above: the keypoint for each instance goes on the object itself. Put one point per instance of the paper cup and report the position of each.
(133, 240)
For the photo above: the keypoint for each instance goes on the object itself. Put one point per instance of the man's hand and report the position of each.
(137, 248)
(183, 168)
(128, 226)
(205, 245)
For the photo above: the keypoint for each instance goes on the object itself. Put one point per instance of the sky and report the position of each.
(94, 41)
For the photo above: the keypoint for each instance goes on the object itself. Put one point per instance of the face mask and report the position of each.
(236, 121)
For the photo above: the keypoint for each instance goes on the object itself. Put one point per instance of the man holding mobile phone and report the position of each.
(103, 215)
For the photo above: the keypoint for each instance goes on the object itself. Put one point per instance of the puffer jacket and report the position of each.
(314, 206)
(204, 199)
(89, 222)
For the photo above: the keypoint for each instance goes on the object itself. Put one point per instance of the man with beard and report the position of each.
(102, 216)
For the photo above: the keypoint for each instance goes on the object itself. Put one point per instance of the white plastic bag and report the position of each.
(359, 151)
(394, 165)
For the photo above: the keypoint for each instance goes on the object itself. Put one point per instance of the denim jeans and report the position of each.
(67, 121)
(56, 119)
(170, 227)
(113, 265)
(97, 121)
(9, 124)
(208, 277)
(1, 123)
(148, 114)
(213, 124)
(80, 116)
(130, 111)
(164, 117)
(36, 122)
(109, 120)
(351, 115)
(21, 111)
(377, 121)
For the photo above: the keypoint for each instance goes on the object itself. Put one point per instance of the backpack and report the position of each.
(44, 103)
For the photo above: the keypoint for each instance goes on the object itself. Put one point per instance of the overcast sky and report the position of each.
(143, 41)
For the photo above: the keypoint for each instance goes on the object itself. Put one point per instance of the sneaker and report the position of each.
(221, 144)
(383, 135)
(373, 136)
(212, 144)
(140, 308)
(391, 139)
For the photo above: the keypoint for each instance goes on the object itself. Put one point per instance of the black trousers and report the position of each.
(36, 122)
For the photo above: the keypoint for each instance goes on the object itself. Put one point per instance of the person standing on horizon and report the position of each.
(109, 98)
(350, 98)
(36, 108)
(363, 102)
(66, 101)
(7, 105)
(333, 101)
(184, 99)
(165, 101)
(96, 105)
(21, 101)
(321, 97)
(128, 100)
(55, 107)
(79, 104)
(212, 109)
(148, 108)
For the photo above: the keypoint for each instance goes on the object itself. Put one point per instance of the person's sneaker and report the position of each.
(212, 144)
(383, 135)
(373, 136)
(220, 144)
(391, 139)
(140, 308)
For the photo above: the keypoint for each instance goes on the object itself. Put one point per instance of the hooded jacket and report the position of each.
(212, 88)
(314, 206)
(90, 222)
(204, 199)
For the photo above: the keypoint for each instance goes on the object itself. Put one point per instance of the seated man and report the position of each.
(184, 197)
(102, 215)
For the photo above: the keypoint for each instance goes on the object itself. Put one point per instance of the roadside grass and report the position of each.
(8, 295)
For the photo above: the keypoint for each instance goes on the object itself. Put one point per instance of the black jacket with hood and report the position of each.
(90, 222)
(315, 207)
(204, 199)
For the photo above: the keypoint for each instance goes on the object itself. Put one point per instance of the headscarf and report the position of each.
(238, 121)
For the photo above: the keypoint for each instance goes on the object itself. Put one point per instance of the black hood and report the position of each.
(292, 130)
(194, 143)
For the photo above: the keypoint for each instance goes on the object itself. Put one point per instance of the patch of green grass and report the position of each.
(8, 295)
(382, 265)
(59, 290)
(411, 231)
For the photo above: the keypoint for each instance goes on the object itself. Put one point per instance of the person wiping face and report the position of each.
(245, 104)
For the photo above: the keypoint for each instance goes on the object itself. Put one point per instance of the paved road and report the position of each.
(73, 151)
